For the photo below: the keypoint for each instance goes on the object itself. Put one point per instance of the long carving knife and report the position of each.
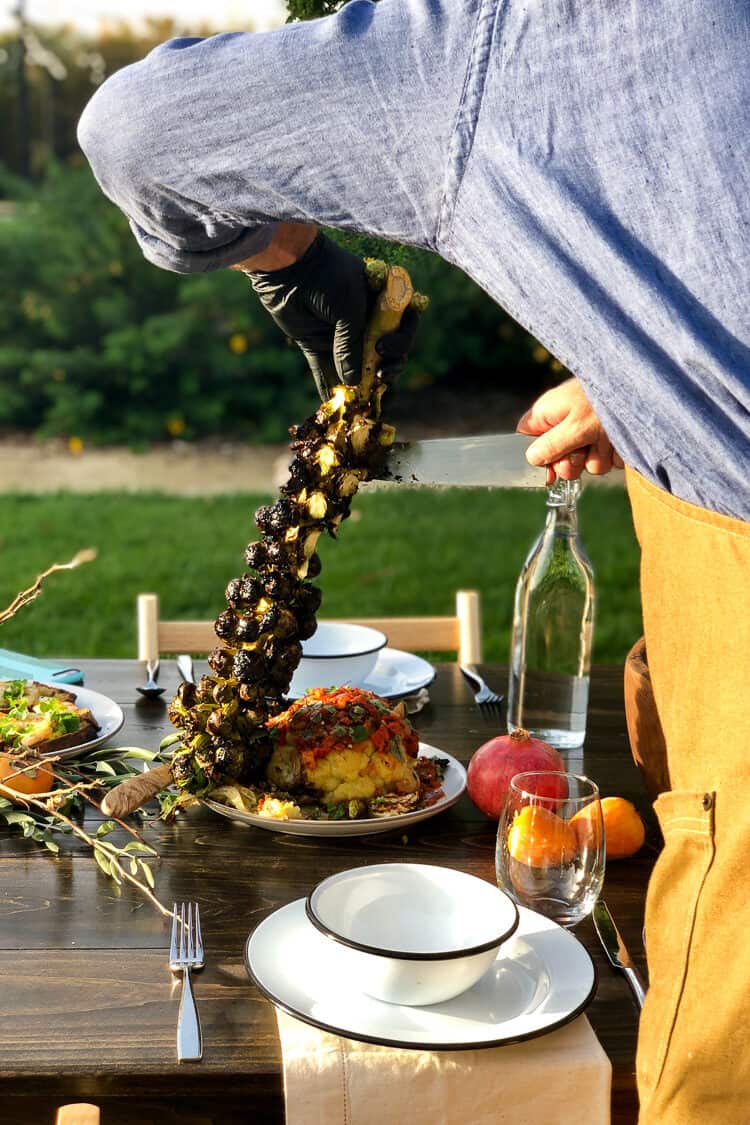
(616, 950)
(482, 461)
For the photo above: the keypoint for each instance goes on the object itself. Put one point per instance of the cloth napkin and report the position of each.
(20, 666)
(560, 1077)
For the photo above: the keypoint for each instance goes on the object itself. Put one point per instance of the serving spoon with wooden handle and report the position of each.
(130, 794)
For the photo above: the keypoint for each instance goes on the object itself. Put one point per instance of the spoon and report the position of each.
(151, 689)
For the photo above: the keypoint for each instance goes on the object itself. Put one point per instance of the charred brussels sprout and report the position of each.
(251, 590)
(306, 626)
(308, 598)
(225, 624)
(279, 587)
(269, 619)
(221, 660)
(263, 518)
(248, 628)
(278, 555)
(255, 556)
(248, 665)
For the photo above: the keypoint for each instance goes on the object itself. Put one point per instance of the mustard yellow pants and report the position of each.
(693, 1059)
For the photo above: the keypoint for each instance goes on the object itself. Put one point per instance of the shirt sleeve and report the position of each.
(345, 121)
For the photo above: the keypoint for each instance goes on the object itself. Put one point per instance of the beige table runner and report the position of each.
(560, 1077)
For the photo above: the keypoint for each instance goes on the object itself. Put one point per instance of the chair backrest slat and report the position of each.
(460, 634)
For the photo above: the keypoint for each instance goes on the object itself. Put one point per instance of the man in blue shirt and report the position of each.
(589, 166)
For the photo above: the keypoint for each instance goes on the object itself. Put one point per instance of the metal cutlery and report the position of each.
(185, 666)
(616, 950)
(151, 689)
(186, 954)
(484, 697)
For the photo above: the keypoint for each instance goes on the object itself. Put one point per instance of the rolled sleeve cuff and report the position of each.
(249, 241)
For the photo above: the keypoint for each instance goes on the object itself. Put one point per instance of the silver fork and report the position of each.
(484, 697)
(186, 953)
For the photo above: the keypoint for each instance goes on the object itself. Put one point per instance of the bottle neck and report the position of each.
(562, 511)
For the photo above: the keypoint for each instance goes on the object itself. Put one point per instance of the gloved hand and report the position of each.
(322, 302)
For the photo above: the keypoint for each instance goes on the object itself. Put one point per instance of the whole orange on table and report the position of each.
(624, 831)
(37, 779)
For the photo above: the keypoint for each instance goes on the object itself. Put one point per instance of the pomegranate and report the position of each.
(495, 762)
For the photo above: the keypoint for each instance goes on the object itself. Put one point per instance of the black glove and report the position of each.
(394, 347)
(321, 302)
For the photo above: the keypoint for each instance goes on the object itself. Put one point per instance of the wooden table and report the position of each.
(88, 1005)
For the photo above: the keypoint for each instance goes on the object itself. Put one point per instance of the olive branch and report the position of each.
(42, 816)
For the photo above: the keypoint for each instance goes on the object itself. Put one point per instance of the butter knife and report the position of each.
(616, 950)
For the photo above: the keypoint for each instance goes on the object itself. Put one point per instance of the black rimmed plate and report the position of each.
(107, 714)
(453, 785)
(541, 979)
(395, 674)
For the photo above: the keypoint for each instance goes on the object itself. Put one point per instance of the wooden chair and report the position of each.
(460, 633)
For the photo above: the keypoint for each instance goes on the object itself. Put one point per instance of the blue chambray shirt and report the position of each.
(586, 161)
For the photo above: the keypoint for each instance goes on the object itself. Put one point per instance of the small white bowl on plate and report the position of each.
(337, 653)
(412, 933)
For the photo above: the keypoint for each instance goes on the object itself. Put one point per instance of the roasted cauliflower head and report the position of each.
(343, 744)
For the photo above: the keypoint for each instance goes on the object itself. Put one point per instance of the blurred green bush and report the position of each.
(97, 344)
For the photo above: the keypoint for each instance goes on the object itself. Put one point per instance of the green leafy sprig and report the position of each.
(45, 817)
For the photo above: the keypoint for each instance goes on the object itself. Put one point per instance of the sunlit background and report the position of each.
(89, 15)
(103, 354)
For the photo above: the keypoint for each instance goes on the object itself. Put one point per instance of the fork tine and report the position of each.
(182, 932)
(173, 943)
(190, 932)
(198, 938)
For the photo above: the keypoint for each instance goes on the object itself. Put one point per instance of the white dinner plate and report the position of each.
(453, 786)
(107, 713)
(541, 979)
(395, 674)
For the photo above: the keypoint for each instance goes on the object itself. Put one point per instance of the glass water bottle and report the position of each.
(553, 622)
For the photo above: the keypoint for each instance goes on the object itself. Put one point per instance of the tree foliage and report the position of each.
(97, 344)
(311, 9)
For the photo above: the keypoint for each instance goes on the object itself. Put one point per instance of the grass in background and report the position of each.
(400, 552)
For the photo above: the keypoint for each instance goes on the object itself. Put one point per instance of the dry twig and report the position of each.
(33, 592)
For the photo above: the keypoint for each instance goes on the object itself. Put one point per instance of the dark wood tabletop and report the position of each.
(89, 1007)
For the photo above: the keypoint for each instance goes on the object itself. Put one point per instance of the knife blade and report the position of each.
(480, 461)
(616, 950)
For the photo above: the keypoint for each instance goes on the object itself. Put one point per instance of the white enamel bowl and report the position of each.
(337, 653)
(411, 933)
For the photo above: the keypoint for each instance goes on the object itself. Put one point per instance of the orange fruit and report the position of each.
(624, 831)
(36, 780)
(540, 838)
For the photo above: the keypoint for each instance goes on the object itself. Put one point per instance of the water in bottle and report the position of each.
(553, 620)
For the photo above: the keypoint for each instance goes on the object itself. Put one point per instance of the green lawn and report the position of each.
(401, 552)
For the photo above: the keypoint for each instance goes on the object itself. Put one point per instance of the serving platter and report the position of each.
(542, 978)
(108, 715)
(396, 673)
(453, 786)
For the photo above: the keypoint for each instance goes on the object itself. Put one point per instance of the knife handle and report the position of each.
(636, 984)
